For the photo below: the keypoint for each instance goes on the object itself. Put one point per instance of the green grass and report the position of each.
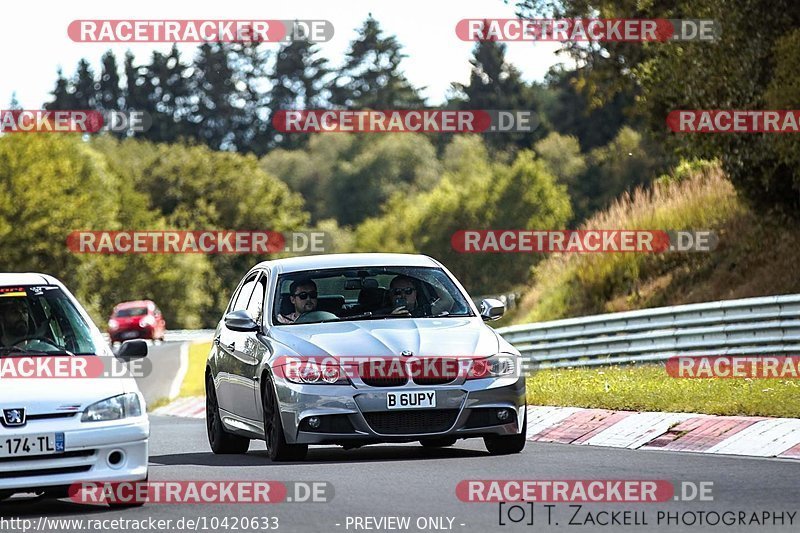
(580, 284)
(193, 383)
(649, 388)
(161, 402)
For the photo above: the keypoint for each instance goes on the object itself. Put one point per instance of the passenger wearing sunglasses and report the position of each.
(403, 288)
(303, 295)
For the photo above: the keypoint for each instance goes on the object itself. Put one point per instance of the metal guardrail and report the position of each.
(750, 326)
(179, 335)
(182, 335)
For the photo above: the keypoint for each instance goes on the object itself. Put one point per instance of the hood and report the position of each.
(423, 336)
(41, 395)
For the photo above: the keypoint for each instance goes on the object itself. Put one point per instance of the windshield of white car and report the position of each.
(367, 293)
(42, 319)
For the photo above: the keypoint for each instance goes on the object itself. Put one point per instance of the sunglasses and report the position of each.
(407, 290)
(305, 295)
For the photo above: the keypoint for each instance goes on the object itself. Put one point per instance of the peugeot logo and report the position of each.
(14, 417)
(406, 353)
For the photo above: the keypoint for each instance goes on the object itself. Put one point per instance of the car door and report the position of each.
(232, 372)
(249, 352)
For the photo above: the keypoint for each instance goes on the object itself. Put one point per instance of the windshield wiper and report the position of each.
(9, 350)
(16, 350)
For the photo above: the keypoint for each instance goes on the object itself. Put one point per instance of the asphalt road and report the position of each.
(408, 480)
(166, 361)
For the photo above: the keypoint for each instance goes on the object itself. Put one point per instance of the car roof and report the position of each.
(27, 278)
(314, 262)
(133, 303)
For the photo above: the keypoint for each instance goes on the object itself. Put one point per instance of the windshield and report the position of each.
(367, 294)
(42, 319)
(131, 311)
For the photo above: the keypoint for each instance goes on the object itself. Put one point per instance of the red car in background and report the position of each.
(140, 319)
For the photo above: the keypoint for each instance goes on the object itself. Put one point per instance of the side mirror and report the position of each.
(492, 309)
(135, 349)
(240, 321)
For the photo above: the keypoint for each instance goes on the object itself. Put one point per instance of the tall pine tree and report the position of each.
(496, 84)
(297, 81)
(371, 76)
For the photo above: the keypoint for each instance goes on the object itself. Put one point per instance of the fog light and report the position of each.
(314, 422)
(115, 459)
(503, 414)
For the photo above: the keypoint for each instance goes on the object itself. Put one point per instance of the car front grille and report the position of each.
(375, 374)
(434, 380)
(411, 422)
(377, 381)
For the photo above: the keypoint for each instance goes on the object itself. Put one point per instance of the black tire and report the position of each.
(277, 447)
(438, 442)
(221, 441)
(507, 444)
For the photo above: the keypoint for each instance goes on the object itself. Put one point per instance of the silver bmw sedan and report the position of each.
(357, 349)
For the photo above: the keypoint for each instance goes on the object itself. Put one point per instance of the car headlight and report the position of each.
(114, 408)
(308, 372)
(113, 324)
(502, 364)
(147, 321)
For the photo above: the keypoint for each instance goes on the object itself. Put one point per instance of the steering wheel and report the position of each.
(39, 338)
(315, 316)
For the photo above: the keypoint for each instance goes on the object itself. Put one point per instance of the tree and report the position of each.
(138, 86)
(14, 103)
(739, 70)
(36, 173)
(371, 76)
(168, 100)
(194, 187)
(387, 164)
(62, 94)
(110, 93)
(85, 95)
(495, 84)
(297, 82)
(479, 194)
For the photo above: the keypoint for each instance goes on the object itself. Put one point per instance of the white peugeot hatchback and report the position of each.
(58, 431)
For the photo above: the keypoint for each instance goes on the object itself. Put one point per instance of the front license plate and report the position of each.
(410, 400)
(46, 444)
(129, 334)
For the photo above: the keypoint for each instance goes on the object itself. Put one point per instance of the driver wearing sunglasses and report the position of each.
(403, 288)
(303, 295)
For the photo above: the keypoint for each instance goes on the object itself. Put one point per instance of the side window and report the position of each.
(256, 305)
(244, 295)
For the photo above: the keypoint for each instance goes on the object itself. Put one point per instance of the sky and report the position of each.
(32, 52)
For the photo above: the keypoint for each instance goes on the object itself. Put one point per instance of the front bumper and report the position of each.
(348, 414)
(147, 332)
(87, 456)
